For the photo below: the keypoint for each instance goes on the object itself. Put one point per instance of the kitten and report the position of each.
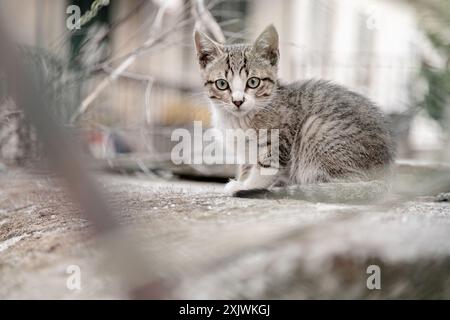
(326, 132)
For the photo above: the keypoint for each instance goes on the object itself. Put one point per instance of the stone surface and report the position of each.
(208, 245)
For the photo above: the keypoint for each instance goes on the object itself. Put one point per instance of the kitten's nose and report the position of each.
(238, 103)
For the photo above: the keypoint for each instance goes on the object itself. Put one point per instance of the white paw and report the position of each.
(259, 183)
(233, 186)
(249, 185)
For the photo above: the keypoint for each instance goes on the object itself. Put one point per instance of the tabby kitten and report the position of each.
(326, 132)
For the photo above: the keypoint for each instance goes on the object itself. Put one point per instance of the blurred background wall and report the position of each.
(394, 51)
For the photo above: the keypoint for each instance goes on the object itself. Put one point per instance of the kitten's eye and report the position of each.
(253, 82)
(222, 84)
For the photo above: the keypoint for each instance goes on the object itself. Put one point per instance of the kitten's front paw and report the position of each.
(234, 186)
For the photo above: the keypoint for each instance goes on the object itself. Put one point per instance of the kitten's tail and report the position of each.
(334, 192)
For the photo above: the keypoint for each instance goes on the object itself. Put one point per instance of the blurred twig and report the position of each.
(156, 27)
(201, 15)
(205, 21)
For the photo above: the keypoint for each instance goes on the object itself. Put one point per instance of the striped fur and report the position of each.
(327, 132)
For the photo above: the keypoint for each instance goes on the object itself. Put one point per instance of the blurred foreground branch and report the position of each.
(64, 158)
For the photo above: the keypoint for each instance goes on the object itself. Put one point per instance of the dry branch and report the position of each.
(156, 27)
(201, 15)
(205, 21)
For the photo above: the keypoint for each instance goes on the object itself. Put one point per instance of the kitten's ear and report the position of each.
(266, 45)
(207, 49)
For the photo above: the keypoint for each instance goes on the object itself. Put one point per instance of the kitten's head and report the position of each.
(239, 78)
